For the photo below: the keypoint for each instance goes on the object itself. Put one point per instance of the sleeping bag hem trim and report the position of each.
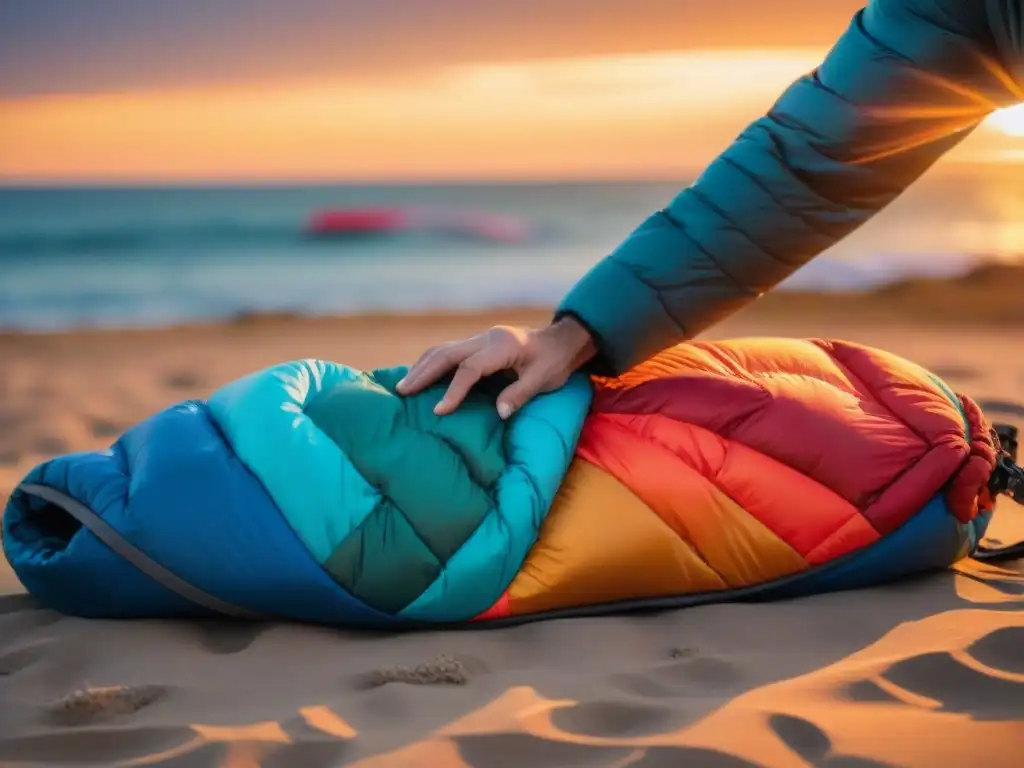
(794, 586)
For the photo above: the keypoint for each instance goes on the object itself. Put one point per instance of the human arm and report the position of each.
(907, 81)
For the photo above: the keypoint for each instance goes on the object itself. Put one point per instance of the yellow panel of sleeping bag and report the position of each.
(600, 543)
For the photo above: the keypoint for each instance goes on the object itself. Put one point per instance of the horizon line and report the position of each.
(30, 183)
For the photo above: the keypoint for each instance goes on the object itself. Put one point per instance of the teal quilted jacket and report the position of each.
(906, 82)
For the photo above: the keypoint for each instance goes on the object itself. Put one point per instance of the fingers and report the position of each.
(434, 364)
(518, 393)
(469, 372)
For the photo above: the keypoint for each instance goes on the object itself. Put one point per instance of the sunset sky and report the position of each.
(151, 90)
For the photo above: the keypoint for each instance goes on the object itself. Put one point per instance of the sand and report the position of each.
(927, 672)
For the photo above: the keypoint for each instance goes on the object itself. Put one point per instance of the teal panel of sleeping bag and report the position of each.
(424, 516)
(539, 445)
(313, 483)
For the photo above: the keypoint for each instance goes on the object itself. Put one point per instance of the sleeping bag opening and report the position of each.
(42, 527)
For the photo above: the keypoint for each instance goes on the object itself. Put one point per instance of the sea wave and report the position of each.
(122, 238)
(128, 239)
(117, 294)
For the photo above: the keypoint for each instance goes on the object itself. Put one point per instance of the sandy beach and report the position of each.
(926, 672)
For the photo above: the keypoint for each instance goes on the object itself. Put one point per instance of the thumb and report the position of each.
(519, 393)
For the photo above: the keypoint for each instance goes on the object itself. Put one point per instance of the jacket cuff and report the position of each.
(623, 315)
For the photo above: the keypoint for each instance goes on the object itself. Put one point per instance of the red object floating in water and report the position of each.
(357, 221)
(341, 222)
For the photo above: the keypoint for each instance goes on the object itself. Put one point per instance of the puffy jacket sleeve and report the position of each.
(907, 81)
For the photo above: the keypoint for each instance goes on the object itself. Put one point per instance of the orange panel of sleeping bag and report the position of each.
(600, 543)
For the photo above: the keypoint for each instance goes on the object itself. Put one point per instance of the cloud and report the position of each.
(70, 46)
(583, 117)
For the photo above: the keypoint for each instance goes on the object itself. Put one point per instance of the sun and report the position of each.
(1009, 121)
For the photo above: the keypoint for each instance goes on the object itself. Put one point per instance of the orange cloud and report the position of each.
(656, 115)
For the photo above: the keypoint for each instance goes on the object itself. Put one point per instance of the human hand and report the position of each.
(543, 360)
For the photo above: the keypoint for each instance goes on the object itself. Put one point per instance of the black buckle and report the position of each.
(1007, 438)
(1007, 478)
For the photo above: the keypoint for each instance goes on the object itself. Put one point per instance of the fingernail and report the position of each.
(401, 383)
(439, 408)
(504, 410)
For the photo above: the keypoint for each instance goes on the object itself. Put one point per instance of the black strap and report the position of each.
(1007, 479)
(1007, 437)
(999, 554)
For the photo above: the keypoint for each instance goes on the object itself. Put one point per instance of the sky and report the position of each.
(151, 90)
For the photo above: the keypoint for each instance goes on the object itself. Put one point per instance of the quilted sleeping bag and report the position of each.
(310, 491)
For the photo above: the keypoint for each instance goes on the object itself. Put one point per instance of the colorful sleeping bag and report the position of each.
(715, 471)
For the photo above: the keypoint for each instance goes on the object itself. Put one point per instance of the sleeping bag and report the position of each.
(745, 469)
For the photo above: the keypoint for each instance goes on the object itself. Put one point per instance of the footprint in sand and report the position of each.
(514, 750)
(309, 746)
(444, 670)
(813, 744)
(175, 745)
(669, 757)
(19, 613)
(92, 705)
(103, 746)
(983, 682)
(1002, 649)
(227, 637)
(694, 682)
(13, 661)
(693, 674)
(618, 719)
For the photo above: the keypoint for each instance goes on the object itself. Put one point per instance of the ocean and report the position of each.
(151, 256)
